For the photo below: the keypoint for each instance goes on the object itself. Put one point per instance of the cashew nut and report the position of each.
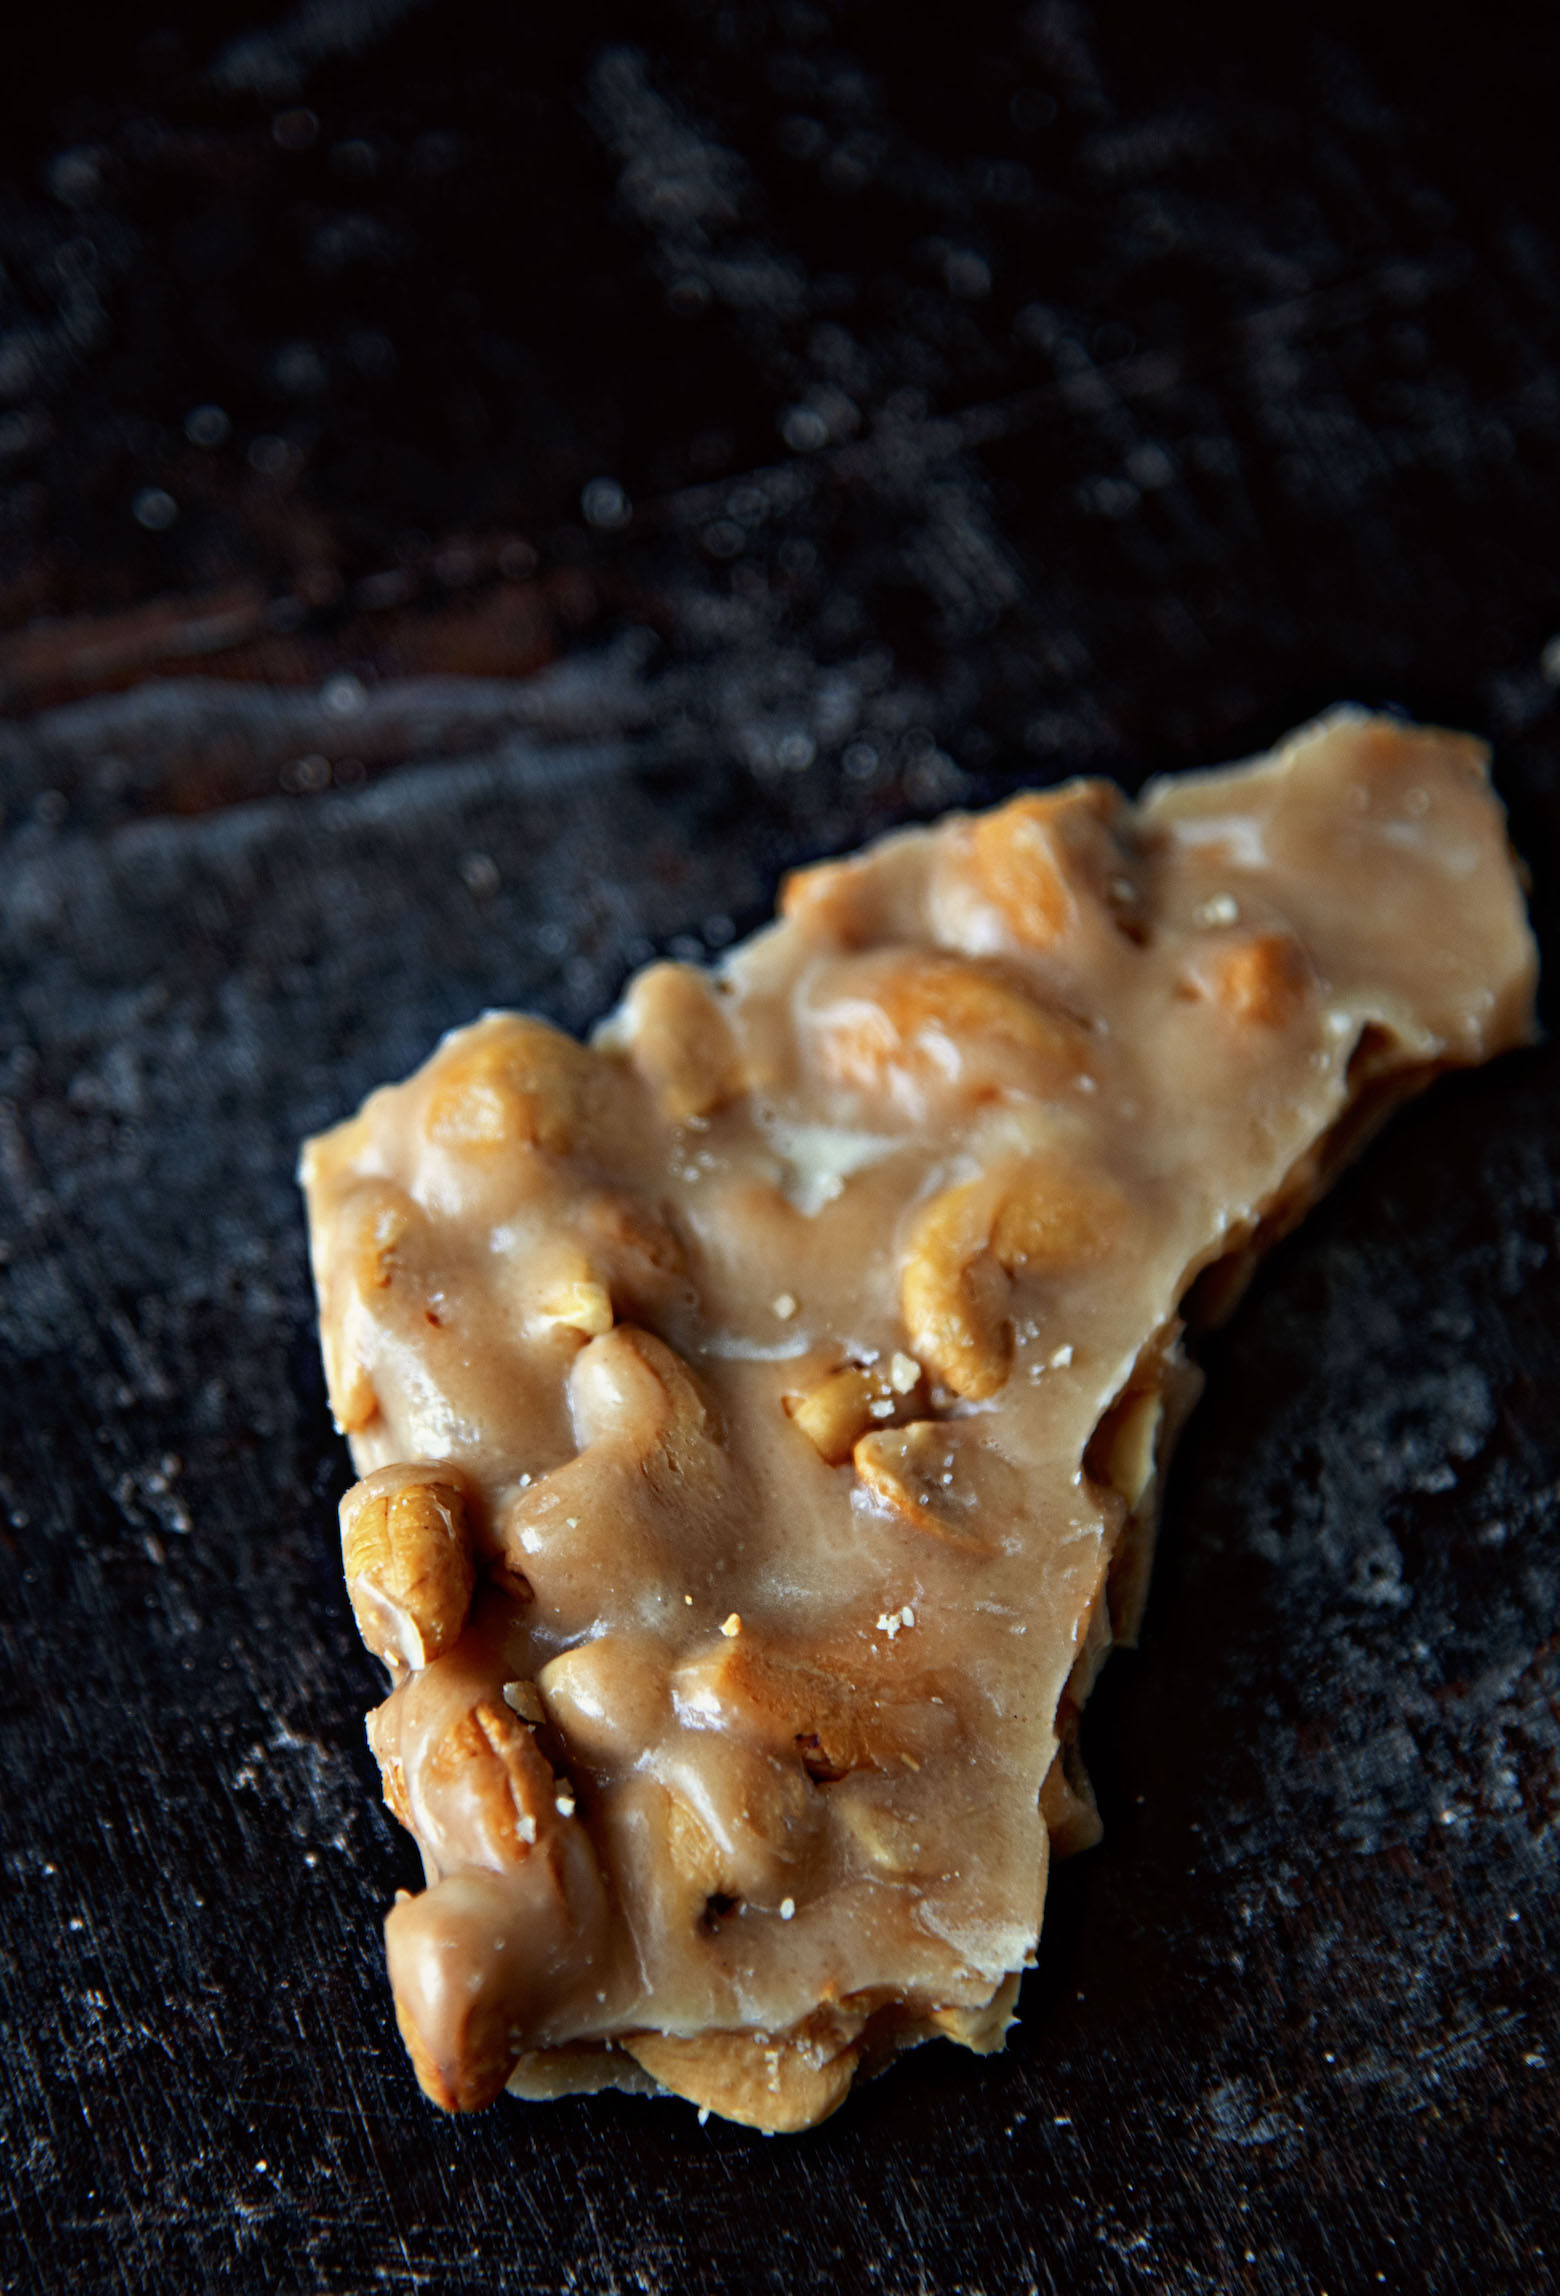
(406, 1550)
(908, 1021)
(1035, 1215)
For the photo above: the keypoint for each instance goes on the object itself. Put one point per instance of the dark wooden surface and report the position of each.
(988, 394)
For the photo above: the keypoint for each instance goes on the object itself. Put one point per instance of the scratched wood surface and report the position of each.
(476, 502)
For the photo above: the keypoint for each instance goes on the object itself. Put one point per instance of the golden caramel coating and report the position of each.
(764, 1411)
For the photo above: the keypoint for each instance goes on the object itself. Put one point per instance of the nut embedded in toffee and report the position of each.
(764, 1411)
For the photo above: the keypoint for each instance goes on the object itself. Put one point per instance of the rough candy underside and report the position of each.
(763, 1412)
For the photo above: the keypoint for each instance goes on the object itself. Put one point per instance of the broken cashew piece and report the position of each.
(841, 1408)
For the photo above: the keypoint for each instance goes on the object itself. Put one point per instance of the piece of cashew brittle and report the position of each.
(788, 1381)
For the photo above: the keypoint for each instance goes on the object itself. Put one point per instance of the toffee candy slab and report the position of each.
(763, 1412)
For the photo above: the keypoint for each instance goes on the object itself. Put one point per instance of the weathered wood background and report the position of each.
(482, 490)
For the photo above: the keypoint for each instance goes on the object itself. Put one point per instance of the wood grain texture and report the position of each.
(1160, 390)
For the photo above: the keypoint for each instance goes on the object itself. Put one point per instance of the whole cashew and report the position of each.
(1032, 1215)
